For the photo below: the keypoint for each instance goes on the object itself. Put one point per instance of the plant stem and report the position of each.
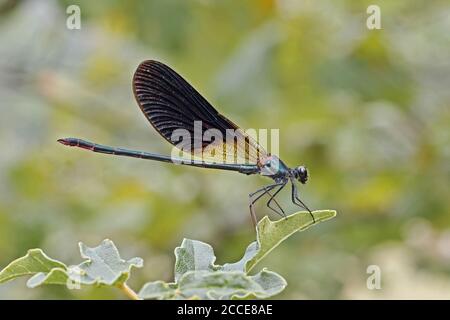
(129, 292)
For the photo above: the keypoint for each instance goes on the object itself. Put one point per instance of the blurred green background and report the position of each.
(368, 111)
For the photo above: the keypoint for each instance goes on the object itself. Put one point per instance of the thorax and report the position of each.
(274, 168)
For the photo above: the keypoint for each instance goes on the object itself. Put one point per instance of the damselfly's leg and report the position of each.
(272, 198)
(252, 200)
(300, 203)
(267, 190)
(276, 202)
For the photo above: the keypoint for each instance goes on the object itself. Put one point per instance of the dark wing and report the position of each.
(169, 102)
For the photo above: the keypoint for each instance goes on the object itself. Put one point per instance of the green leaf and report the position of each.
(271, 233)
(158, 290)
(35, 261)
(103, 266)
(193, 255)
(55, 276)
(217, 285)
(250, 252)
(197, 277)
(270, 282)
(229, 285)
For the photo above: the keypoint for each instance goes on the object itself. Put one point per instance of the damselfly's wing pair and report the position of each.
(170, 103)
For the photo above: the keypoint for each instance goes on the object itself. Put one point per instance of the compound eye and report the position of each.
(302, 174)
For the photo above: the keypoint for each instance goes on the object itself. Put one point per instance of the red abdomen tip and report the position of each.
(68, 141)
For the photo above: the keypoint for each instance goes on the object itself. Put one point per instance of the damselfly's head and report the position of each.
(301, 174)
